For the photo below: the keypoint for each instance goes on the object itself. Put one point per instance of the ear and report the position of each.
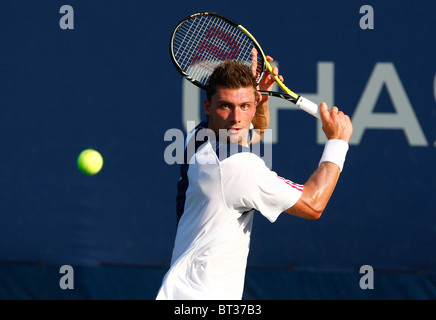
(206, 107)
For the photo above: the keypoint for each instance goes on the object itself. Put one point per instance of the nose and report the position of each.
(236, 115)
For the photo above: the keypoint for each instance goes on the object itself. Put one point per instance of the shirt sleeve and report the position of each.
(249, 184)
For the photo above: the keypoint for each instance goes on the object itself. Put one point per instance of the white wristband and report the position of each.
(335, 151)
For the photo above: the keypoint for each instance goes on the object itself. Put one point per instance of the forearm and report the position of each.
(317, 192)
(262, 119)
(319, 188)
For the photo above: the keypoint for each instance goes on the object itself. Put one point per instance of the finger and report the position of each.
(275, 71)
(254, 54)
(269, 59)
(254, 61)
(324, 112)
(323, 107)
(334, 110)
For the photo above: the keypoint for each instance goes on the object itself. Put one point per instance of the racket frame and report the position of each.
(288, 94)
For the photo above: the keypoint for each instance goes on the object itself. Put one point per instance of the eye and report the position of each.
(245, 107)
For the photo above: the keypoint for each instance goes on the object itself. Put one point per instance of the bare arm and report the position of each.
(262, 117)
(261, 120)
(317, 192)
(320, 186)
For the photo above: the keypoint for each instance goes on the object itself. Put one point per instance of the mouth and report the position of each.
(234, 130)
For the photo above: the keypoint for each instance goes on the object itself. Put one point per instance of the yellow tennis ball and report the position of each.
(90, 161)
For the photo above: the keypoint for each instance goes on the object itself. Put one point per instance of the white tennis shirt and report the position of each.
(217, 198)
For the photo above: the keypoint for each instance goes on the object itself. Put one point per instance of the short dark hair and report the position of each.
(230, 74)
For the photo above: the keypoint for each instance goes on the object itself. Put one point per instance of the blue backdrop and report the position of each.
(109, 84)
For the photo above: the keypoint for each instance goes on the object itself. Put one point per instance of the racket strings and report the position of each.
(203, 42)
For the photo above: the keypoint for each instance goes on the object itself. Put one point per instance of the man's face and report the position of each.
(230, 112)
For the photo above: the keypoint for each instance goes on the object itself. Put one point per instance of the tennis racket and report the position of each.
(203, 40)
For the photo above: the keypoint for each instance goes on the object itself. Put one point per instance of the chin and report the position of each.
(233, 140)
(236, 139)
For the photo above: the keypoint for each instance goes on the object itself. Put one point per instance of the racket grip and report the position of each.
(308, 106)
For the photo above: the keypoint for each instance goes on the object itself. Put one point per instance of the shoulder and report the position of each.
(243, 161)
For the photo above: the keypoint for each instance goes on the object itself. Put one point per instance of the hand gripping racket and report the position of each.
(203, 40)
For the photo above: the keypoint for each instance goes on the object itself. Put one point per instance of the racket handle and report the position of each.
(308, 106)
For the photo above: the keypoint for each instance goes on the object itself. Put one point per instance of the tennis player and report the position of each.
(221, 187)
